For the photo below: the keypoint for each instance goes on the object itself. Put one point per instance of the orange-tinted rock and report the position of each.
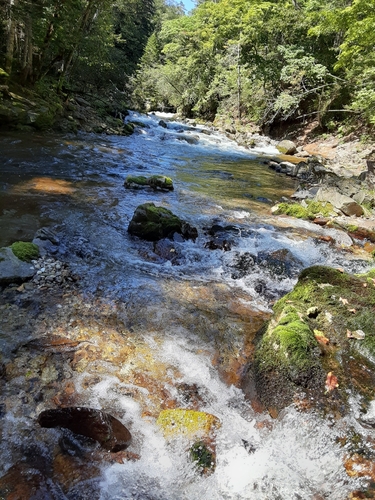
(369, 247)
(359, 466)
(95, 424)
(69, 471)
(320, 221)
(25, 483)
(326, 150)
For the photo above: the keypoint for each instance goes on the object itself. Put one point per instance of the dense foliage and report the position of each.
(266, 61)
(87, 42)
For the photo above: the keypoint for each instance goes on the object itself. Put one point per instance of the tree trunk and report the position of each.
(48, 36)
(86, 20)
(27, 62)
(10, 38)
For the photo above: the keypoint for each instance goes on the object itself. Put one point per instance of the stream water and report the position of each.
(164, 333)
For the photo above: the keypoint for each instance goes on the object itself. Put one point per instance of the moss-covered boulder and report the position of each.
(319, 346)
(156, 182)
(153, 223)
(161, 182)
(128, 129)
(25, 250)
(310, 210)
(203, 457)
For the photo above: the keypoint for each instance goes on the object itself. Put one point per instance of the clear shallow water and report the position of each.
(183, 315)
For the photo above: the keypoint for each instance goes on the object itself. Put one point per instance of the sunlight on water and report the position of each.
(160, 333)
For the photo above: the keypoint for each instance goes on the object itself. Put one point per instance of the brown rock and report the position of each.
(26, 483)
(70, 471)
(95, 424)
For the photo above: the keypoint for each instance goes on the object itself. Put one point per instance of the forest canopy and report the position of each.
(85, 42)
(262, 61)
(266, 61)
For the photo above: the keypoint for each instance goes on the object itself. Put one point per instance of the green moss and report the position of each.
(202, 457)
(25, 251)
(287, 345)
(324, 274)
(289, 317)
(313, 209)
(45, 120)
(140, 180)
(292, 209)
(161, 178)
(156, 182)
(288, 356)
(352, 228)
(128, 128)
(153, 223)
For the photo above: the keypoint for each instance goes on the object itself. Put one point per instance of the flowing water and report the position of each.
(165, 332)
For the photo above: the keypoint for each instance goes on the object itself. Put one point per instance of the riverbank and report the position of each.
(27, 110)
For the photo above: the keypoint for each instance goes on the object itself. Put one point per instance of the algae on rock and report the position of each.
(153, 223)
(156, 182)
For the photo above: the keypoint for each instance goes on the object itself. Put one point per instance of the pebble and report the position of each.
(52, 272)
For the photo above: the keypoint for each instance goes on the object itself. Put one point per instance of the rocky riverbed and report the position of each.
(184, 345)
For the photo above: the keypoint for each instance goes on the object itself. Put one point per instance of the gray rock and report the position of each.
(345, 204)
(287, 167)
(286, 147)
(190, 139)
(13, 270)
(273, 164)
(46, 240)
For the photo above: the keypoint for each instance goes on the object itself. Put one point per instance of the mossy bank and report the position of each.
(323, 330)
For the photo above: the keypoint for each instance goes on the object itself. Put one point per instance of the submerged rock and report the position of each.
(27, 483)
(153, 223)
(109, 432)
(156, 182)
(203, 458)
(188, 423)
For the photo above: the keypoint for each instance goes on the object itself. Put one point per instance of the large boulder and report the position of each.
(319, 345)
(287, 147)
(348, 206)
(12, 269)
(153, 223)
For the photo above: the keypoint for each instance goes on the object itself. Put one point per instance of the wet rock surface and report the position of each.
(109, 432)
(153, 223)
(155, 182)
(12, 269)
(162, 344)
(308, 347)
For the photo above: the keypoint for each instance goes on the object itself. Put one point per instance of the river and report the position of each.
(159, 332)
